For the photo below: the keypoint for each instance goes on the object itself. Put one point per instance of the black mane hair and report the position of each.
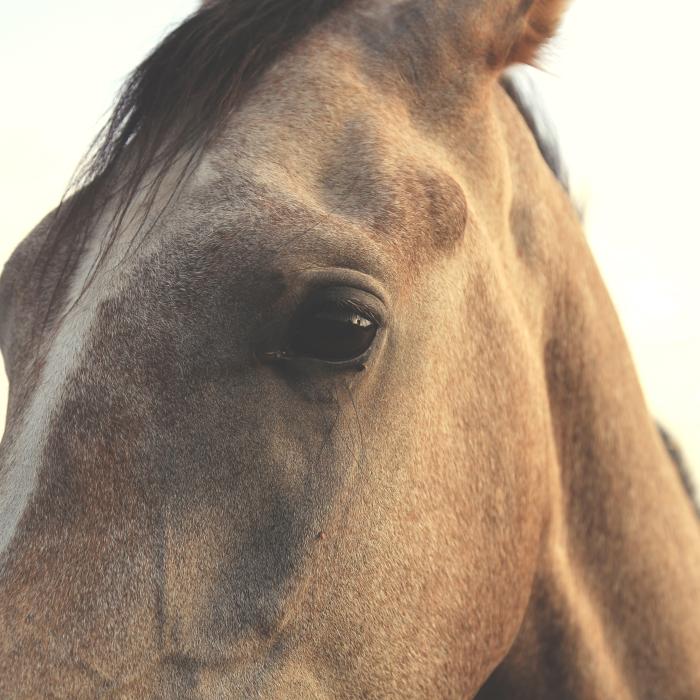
(173, 103)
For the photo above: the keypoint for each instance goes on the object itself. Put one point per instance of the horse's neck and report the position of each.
(615, 607)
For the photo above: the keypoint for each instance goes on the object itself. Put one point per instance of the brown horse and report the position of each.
(316, 391)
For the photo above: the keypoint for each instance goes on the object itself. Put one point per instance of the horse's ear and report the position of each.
(538, 23)
(434, 40)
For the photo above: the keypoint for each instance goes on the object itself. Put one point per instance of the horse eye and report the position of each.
(332, 334)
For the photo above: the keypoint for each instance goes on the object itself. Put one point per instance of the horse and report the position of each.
(316, 390)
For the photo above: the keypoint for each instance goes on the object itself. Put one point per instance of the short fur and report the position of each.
(478, 507)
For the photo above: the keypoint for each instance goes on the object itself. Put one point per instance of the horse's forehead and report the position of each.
(328, 150)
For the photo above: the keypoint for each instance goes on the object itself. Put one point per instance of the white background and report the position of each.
(621, 82)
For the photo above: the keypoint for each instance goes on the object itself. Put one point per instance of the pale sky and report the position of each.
(621, 84)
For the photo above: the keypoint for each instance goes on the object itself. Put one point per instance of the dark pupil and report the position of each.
(333, 335)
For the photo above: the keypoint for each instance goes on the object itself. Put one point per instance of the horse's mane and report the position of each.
(173, 103)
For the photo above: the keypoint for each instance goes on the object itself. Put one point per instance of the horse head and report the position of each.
(316, 391)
